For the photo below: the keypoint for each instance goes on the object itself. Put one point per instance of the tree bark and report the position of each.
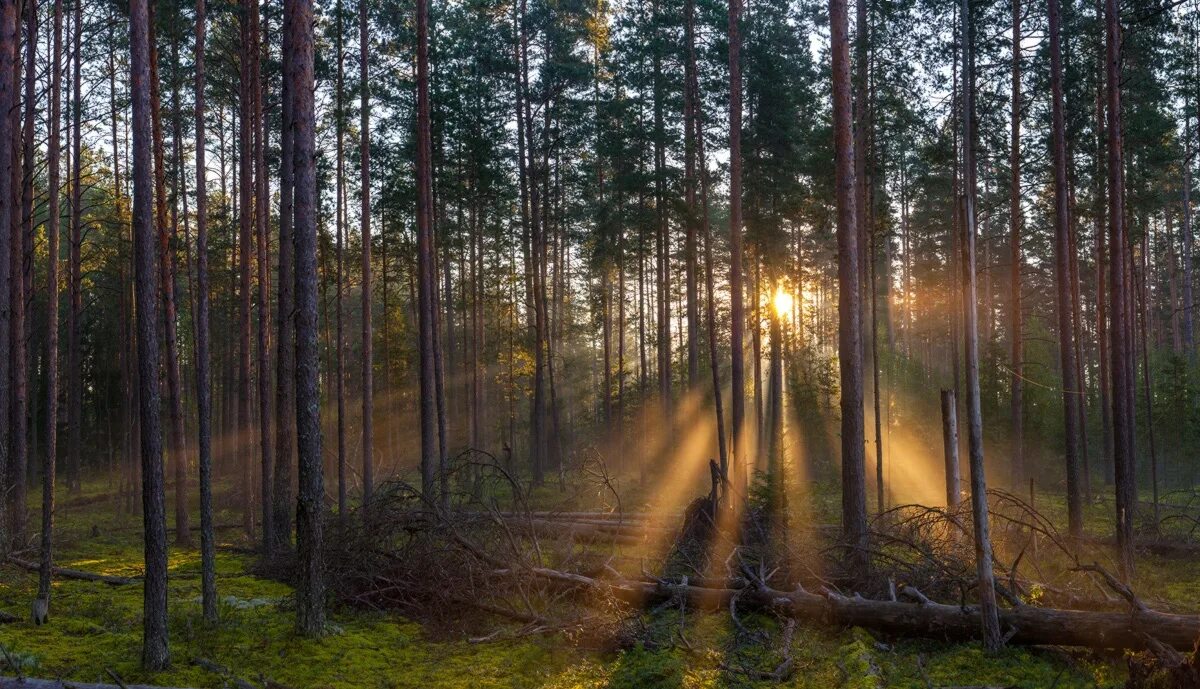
(285, 357)
(167, 285)
(75, 310)
(50, 461)
(1121, 354)
(208, 576)
(1016, 220)
(430, 462)
(9, 43)
(706, 230)
(245, 182)
(950, 448)
(1062, 271)
(339, 343)
(854, 489)
(310, 591)
(21, 228)
(368, 360)
(155, 654)
(739, 459)
(979, 507)
(259, 130)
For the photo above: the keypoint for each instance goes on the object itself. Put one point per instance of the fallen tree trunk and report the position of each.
(30, 683)
(1025, 624)
(67, 573)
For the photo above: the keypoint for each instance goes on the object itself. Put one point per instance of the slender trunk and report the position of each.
(285, 356)
(1102, 329)
(1185, 317)
(425, 280)
(739, 460)
(368, 362)
(258, 127)
(1016, 220)
(208, 570)
(21, 233)
(691, 117)
(9, 239)
(339, 343)
(979, 507)
(701, 169)
(52, 296)
(1062, 272)
(245, 183)
(950, 449)
(155, 655)
(182, 530)
(1121, 353)
(1147, 385)
(74, 313)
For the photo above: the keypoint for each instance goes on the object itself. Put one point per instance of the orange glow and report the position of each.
(782, 301)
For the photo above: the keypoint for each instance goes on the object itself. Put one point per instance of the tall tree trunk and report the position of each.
(737, 317)
(1143, 315)
(339, 242)
(1062, 272)
(51, 362)
(258, 125)
(1185, 317)
(208, 569)
(662, 234)
(9, 43)
(285, 357)
(245, 183)
(176, 446)
(298, 66)
(690, 117)
(426, 285)
(854, 485)
(155, 655)
(1121, 354)
(21, 233)
(368, 360)
(1016, 220)
(74, 314)
(697, 116)
(979, 508)
(1105, 377)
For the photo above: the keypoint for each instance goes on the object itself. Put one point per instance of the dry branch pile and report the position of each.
(578, 572)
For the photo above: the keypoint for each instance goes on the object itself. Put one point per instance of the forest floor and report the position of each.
(95, 629)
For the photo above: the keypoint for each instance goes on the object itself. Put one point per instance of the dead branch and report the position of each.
(79, 574)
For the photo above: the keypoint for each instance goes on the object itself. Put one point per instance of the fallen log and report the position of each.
(8, 618)
(67, 573)
(31, 683)
(1026, 625)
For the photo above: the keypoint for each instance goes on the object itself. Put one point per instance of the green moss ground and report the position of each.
(95, 628)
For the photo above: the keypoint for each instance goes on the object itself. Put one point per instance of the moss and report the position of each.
(95, 627)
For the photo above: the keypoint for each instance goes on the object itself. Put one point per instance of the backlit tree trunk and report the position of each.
(51, 361)
(1062, 272)
(208, 576)
(368, 362)
(155, 655)
(1121, 350)
(854, 488)
(298, 66)
(979, 505)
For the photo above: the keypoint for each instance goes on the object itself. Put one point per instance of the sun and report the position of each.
(782, 301)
